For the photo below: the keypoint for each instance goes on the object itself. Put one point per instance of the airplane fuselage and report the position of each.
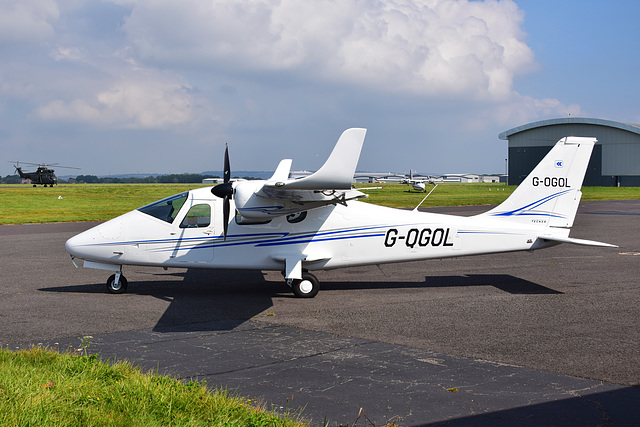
(334, 236)
(314, 223)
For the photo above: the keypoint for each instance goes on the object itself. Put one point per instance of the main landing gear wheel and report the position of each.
(117, 287)
(308, 287)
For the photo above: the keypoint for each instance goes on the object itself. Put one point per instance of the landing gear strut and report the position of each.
(117, 284)
(307, 287)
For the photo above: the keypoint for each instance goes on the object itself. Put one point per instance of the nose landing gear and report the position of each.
(117, 283)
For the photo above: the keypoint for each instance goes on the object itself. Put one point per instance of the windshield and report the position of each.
(166, 209)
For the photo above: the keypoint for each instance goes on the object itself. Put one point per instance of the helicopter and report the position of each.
(44, 175)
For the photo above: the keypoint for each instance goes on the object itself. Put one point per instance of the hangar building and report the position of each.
(615, 160)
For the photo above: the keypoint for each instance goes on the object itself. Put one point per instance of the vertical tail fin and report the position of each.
(550, 195)
(338, 171)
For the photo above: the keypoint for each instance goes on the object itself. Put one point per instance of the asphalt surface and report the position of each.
(549, 337)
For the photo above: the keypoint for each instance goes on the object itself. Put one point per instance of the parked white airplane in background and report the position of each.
(315, 223)
(418, 184)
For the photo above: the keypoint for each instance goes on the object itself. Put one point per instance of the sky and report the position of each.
(160, 86)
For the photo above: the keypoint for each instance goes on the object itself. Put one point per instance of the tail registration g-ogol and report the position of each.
(297, 226)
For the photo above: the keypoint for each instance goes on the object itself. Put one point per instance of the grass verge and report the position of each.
(457, 194)
(43, 387)
(23, 204)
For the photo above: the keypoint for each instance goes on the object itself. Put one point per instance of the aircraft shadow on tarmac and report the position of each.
(504, 282)
(200, 300)
(616, 407)
(219, 300)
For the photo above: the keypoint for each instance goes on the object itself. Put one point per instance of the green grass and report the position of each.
(399, 196)
(20, 204)
(41, 387)
(450, 194)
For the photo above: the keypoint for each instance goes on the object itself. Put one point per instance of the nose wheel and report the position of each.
(307, 287)
(117, 284)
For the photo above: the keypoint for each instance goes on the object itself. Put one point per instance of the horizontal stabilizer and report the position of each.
(578, 241)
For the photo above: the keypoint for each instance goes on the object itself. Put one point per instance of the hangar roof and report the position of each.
(635, 128)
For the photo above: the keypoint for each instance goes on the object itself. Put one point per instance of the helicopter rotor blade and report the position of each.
(18, 162)
(57, 165)
(66, 167)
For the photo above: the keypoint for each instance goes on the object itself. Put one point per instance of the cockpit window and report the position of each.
(198, 216)
(166, 209)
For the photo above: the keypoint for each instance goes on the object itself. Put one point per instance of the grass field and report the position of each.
(41, 387)
(21, 204)
(397, 195)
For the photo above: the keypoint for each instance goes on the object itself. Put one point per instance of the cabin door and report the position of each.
(195, 234)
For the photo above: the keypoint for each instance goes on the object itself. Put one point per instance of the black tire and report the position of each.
(308, 287)
(117, 288)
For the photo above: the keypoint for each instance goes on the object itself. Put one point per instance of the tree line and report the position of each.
(185, 178)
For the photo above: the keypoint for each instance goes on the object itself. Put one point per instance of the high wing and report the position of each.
(279, 195)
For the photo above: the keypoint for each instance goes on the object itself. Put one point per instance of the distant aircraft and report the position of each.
(297, 226)
(44, 175)
(418, 184)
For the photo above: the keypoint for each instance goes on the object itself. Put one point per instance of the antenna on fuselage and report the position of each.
(425, 197)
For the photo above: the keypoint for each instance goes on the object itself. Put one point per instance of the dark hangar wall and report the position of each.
(615, 160)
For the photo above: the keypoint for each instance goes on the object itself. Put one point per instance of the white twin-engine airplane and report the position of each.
(418, 184)
(315, 223)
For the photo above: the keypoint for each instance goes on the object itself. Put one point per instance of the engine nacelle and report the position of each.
(250, 205)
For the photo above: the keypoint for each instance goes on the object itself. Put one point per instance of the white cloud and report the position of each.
(91, 81)
(61, 53)
(142, 100)
(522, 109)
(457, 50)
(27, 21)
(436, 76)
(433, 48)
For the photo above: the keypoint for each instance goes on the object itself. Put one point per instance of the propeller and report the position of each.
(225, 191)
